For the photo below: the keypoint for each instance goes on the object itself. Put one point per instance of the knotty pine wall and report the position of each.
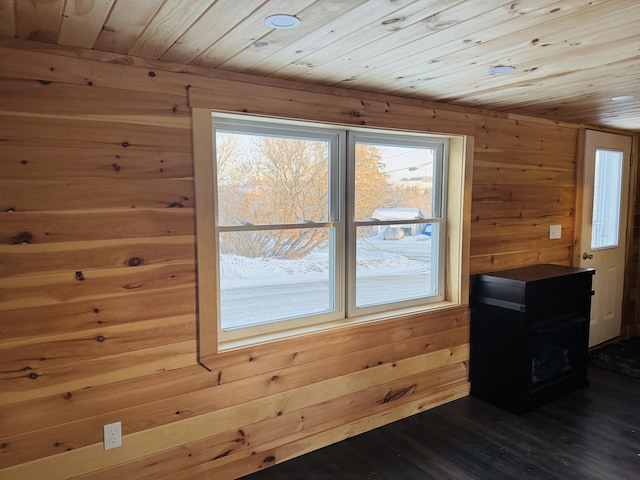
(98, 274)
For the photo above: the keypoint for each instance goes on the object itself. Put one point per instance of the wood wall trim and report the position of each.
(204, 156)
(577, 209)
(353, 112)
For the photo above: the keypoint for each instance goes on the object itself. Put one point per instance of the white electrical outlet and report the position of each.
(555, 231)
(112, 435)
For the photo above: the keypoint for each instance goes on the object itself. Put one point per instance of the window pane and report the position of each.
(393, 182)
(395, 263)
(607, 188)
(271, 180)
(272, 275)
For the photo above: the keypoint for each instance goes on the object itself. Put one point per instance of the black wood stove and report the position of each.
(529, 334)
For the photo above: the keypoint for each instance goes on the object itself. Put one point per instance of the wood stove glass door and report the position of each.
(604, 228)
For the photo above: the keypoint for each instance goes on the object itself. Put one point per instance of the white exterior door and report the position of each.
(603, 235)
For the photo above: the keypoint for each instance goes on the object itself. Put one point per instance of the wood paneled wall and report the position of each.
(98, 275)
(631, 305)
(524, 181)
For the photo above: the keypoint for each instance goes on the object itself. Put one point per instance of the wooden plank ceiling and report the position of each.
(571, 56)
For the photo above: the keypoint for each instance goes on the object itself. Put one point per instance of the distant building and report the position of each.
(420, 182)
(397, 213)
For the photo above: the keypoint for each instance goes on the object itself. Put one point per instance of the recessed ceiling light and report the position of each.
(622, 98)
(282, 21)
(501, 69)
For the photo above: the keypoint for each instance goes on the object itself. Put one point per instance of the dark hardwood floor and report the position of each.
(593, 433)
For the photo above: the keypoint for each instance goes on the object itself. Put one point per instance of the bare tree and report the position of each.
(268, 180)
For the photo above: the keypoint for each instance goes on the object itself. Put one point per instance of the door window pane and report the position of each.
(607, 187)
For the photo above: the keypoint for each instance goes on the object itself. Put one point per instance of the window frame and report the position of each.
(335, 213)
(456, 261)
(381, 137)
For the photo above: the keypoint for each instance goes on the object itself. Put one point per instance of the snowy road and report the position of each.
(263, 290)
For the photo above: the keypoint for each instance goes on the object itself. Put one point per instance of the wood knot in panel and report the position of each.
(22, 238)
(391, 396)
(134, 261)
(222, 455)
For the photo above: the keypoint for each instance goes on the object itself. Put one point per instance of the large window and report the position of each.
(279, 234)
(313, 226)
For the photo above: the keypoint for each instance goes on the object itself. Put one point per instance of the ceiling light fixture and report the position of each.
(282, 21)
(622, 98)
(501, 69)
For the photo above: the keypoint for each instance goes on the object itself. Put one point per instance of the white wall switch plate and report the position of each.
(112, 435)
(555, 231)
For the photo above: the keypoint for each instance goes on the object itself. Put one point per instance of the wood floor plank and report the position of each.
(593, 433)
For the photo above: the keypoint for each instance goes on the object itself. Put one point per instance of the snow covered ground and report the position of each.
(258, 290)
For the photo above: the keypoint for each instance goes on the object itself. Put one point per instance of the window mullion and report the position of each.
(249, 227)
